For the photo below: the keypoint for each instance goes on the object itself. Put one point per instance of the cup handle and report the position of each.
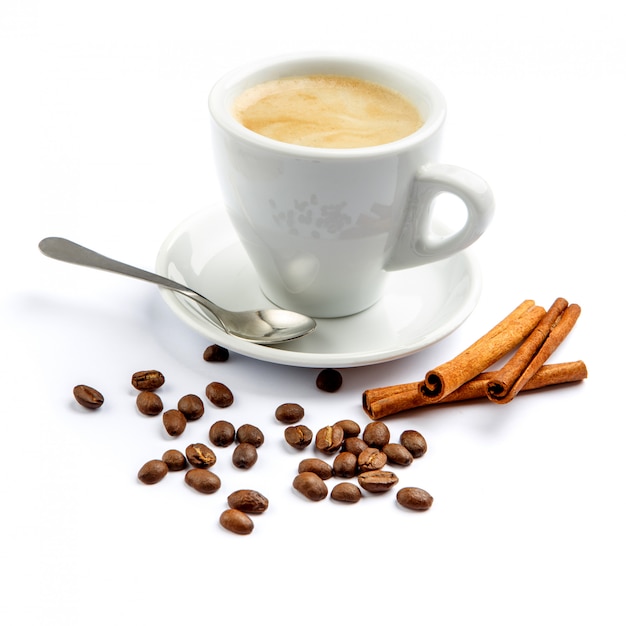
(417, 243)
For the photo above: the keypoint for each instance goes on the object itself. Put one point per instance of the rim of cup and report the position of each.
(421, 91)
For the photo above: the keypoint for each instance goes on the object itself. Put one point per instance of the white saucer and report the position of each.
(420, 306)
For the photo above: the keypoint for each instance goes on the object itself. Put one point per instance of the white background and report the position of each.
(104, 138)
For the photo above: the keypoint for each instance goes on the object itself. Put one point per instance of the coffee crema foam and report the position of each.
(327, 111)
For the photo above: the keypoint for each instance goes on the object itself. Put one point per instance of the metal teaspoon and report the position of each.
(267, 326)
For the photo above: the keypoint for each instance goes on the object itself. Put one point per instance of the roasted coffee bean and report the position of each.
(289, 413)
(88, 397)
(203, 480)
(316, 466)
(397, 454)
(147, 380)
(248, 501)
(174, 422)
(216, 353)
(329, 380)
(346, 492)
(236, 522)
(219, 394)
(200, 455)
(377, 481)
(345, 465)
(376, 434)
(356, 445)
(152, 472)
(329, 439)
(371, 459)
(191, 406)
(414, 442)
(414, 498)
(350, 428)
(222, 433)
(245, 455)
(298, 437)
(149, 403)
(247, 433)
(175, 460)
(311, 486)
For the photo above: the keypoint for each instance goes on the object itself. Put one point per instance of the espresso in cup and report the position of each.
(327, 111)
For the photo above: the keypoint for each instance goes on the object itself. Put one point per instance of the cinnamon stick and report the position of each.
(490, 348)
(534, 352)
(385, 401)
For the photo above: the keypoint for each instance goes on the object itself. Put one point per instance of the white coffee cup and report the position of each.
(324, 226)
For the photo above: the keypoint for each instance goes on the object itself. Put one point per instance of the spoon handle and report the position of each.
(70, 252)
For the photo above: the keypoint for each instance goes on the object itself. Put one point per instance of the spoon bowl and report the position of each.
(265, 326)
